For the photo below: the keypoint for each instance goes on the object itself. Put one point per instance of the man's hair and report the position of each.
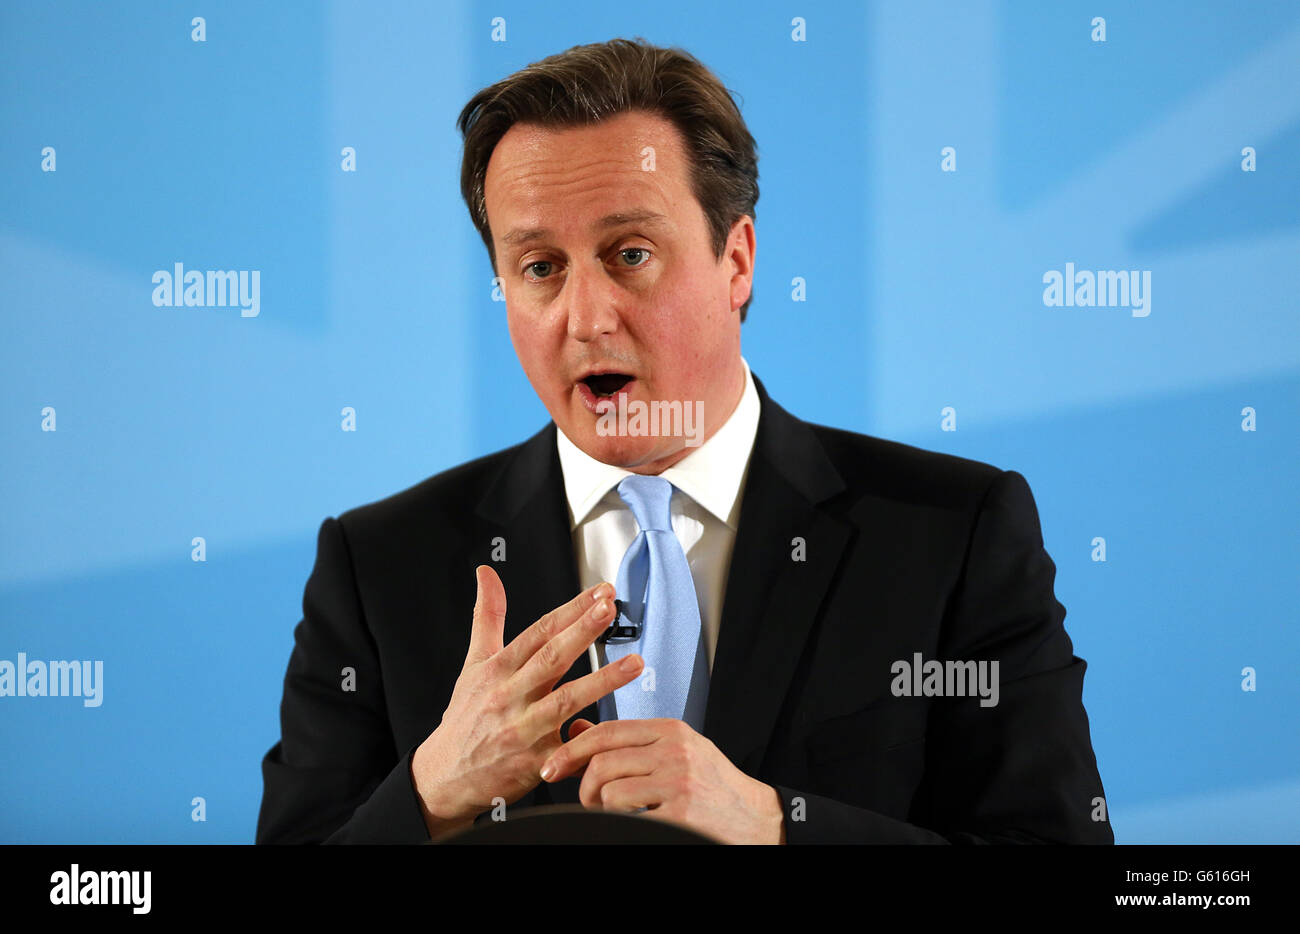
(590, 83)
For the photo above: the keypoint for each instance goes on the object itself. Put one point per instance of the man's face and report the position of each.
(611, 285)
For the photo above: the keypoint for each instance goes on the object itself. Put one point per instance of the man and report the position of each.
(818, 635)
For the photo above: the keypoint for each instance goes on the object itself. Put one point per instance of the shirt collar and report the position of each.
(711, 474)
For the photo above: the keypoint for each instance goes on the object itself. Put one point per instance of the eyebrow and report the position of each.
(618, 219)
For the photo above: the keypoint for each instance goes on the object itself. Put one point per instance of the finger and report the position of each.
(629, 794)
(548, 713)
(526, 644)
(554, 656)
(611, 734)
(489, 625)
(579, 726)
(607, 767)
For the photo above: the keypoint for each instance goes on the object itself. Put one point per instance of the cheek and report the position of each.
(524, 336)
(538, 350)
(683, 362)
(690, 333)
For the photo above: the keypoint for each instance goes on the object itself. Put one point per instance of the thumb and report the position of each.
(487, 631)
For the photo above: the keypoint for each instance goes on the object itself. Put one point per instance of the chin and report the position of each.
(625, 452)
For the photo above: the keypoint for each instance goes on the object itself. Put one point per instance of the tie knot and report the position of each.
(648, 498)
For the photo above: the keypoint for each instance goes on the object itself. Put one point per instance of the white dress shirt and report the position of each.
(705, 512)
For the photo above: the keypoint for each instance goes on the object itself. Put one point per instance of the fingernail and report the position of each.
(603, 591)
(600, 609)
(548, 770)
(629, 663)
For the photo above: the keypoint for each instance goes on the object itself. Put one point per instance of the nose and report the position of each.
(589, 302)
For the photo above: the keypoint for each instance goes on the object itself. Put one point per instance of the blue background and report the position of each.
(923, 291)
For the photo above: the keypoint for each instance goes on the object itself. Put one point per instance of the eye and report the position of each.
(635, 249)
(634, 257)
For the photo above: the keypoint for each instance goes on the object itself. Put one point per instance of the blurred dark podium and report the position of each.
(569, 824)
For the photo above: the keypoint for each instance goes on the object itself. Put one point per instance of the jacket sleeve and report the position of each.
(335, 776)
(1021, 770)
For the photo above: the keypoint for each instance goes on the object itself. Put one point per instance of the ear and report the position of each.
(741, 247)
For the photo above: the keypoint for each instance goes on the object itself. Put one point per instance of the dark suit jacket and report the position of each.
(905, 551)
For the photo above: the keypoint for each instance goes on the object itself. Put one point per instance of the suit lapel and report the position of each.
(774, 591)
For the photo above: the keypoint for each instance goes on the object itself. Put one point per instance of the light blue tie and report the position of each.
(655, 587)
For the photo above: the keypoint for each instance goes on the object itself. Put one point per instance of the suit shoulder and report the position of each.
(904, 472)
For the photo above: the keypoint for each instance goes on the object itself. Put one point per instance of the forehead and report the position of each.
(544, 177)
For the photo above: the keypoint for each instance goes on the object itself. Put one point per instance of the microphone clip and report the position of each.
(624, 628)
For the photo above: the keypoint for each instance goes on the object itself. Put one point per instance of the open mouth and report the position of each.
(603, 385)
(598, 391)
